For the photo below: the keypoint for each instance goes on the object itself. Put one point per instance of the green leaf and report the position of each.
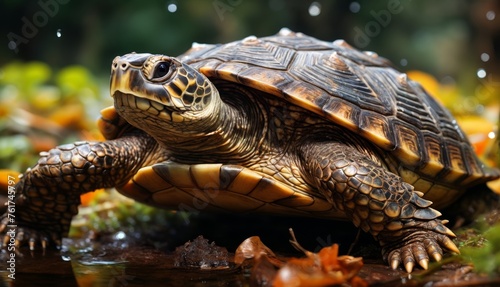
(36, 73)
(74, 80)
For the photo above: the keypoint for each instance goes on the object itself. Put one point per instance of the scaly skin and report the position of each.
(379, 202)
(48, 195)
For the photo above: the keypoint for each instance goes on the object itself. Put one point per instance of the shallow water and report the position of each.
(135, 259)
(146, 266)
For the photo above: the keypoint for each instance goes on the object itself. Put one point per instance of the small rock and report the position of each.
(201, 254)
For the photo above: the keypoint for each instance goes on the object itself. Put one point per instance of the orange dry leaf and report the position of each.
(265, 263)
(252, 248)
(325, 268)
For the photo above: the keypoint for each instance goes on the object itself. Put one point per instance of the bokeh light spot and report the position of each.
(485, 57)
(481, 73)
(314, 9)
(354, 7)
(490, 15)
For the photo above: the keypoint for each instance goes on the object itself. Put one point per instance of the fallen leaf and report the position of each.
(253, 248)
(320, 269)
(324, 268)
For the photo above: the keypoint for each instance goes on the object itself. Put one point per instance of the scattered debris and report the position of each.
(200, 254)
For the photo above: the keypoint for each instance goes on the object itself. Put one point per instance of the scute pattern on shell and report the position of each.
(357, 90)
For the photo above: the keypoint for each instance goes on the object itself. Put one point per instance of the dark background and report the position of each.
(444, 38)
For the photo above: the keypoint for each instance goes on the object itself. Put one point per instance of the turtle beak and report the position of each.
(130, 86)
(125, 70)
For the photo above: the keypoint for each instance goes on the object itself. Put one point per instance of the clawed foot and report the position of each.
(419, 246)
(12, 236)
(419, 252)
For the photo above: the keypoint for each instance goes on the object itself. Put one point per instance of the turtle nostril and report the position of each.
(119, 63)
(114, 64)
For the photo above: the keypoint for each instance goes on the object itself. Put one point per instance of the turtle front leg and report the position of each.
(379, 202)
(48, 194)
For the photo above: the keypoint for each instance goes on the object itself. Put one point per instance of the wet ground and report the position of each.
(122, 259)
(148, 267)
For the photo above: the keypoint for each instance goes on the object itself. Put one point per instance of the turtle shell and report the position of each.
(359, 91)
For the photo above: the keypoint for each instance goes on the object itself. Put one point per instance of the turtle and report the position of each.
(284, 124)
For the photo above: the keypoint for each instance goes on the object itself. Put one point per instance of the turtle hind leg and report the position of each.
(379, 202)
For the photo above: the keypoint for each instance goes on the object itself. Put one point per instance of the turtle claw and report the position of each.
(409, 255)
(424, 263)
(395, 264)
(30, 237)
(409, 266)
(446, 242)
(437, 257)
(45, 242)
(421, 251)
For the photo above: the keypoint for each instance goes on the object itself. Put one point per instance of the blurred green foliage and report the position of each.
(480, 246)
(40, 108)
(108, 212)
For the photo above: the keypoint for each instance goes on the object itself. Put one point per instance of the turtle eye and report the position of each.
(161, 70)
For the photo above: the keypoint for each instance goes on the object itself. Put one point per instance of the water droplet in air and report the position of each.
(59, 33)
(490, 15)
(314, 9)
(481, 73)
(172, 7)
(485, 57)
(355, 7)
(403, 62)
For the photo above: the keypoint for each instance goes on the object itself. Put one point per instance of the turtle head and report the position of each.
(162, 96)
